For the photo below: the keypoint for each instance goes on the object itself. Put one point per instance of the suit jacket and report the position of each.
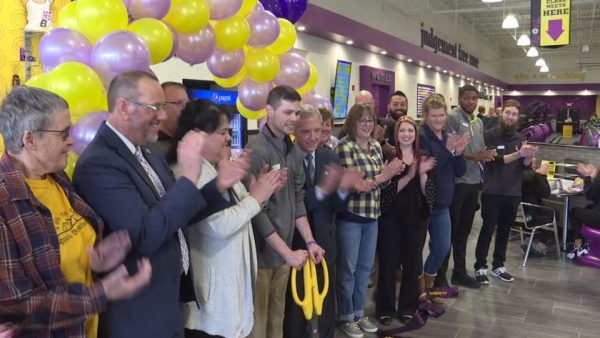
(320, 214)
(110, 178)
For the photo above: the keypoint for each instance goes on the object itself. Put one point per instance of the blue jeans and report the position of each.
(440, 229)
(357, 243)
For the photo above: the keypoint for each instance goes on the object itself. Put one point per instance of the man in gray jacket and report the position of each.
(284, 212)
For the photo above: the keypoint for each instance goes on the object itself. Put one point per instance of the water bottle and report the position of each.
(16, 80)
(558, 184)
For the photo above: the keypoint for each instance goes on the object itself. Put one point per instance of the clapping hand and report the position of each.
(587, 170)
(462, 143)
(331, 178)
(452, 141)
(119, 285)
(231, 172)
(393, 168)
(352, 179)
(109, 253)
(267, 183)
(426, 164)
(379, 133)
(528, 150)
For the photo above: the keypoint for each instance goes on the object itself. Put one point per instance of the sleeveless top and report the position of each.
(39, 16)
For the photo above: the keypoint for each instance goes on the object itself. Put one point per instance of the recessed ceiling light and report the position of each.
(409, 60)
(383, 52)
(301, 28)
(445, 71)
(457, 75)
(477, 81)
(428, 66)
(349, 42)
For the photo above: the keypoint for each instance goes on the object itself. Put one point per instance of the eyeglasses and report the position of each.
(364, 122)
(154, 107)
(179, 104)
(64, 133)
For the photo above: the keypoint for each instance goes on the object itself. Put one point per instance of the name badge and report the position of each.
(278, 166)
(500, 147)
(465, 124)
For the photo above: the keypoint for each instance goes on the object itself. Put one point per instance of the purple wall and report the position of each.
(585, 104)
(381, 83)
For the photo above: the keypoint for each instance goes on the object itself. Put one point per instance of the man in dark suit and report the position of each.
(129, 184)
(323, 177)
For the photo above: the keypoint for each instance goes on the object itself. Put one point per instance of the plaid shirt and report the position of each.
(364, 204)
(34, 294)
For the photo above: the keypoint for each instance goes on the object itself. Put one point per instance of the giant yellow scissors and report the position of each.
(313, 299)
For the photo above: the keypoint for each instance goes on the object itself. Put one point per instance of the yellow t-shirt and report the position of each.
(74, 232)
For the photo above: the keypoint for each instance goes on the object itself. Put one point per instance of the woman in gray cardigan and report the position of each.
(222, 249)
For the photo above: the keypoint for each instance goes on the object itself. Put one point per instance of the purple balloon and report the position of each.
(175, 41)
(118, 52)
(223, 9)
(224, 64)
(196, 47)
(293, 70)
(127, 3)
(253, 95)
(317, 100)
(273, 6)
(264, 28)
(155, 9)
(259, 7)
(64, 45)
(85, 130)
(293, 10)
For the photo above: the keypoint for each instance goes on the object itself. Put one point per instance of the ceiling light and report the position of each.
(523, 40)
(477, 81)
(301, 28)
(490, 1)
(445, 71)
(383, 52)
(428, 66)
(409, 60)
(533, 52)
(457, 75)
(585, 49)
(510, 22)
(540, 62)
(349, 42)
(544, 69)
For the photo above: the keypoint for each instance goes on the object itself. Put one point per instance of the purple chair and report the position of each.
(592, 235)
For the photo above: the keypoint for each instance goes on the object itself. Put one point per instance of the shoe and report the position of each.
(578, 251)
(535, 251)
(481, 276)
(440, 281)
(502, 274)
(385, 320)
(429, 285)
(366, 325)
(351, 329)
(465, 280)
(405, 319)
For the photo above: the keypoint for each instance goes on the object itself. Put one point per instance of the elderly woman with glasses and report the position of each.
(357, 226)
(51, 239)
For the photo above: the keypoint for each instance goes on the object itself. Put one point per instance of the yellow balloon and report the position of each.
(38, 81)
(67, 18)
(97, 18)
(261, 64)
(78, 84)
(250, 114)
(188, 16)
(1, 145)
(71, 162)
(156, 35)
(312, 80)
(286, 39)
(232, 34)
(247, 7)
(232, 81)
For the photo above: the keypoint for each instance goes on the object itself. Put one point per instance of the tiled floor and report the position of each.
(549, 298)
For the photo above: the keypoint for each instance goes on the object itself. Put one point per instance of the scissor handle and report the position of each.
(307, 303)
(318, 298)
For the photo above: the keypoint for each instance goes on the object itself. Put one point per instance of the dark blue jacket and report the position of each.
(448, 166)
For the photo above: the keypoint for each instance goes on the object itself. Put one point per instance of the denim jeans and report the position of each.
(357, 243)
(440, 229)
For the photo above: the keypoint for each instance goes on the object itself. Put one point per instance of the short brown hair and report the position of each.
(512, 103)
(433, 101)
(355, 113)
(326, 114)
(281, 93)
(481, 109)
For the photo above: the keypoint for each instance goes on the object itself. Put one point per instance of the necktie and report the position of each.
(185, 255)
(310, 167)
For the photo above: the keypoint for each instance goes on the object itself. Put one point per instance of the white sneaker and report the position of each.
(578, 251)
(351, 329)
(502, 274)
(366, 325)
(481, 276)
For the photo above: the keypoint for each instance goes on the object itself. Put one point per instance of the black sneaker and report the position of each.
(465, 280)
(481, 276)
(578, 251)
(502, 274)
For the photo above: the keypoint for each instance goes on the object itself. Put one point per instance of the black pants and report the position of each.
(198, 334)
(399, 243)
(497, 212)
(580, 216)
(462, 213)
(295, 324)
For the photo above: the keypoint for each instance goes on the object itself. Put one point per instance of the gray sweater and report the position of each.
(286, 205)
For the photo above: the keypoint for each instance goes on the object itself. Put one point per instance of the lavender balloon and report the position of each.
(155, 9)
(224, 64)
(259, 7)
(127, 3)
(223, 9)
(317, 100)
(118, 52)
(264, 28)
(63, 45)
(175, 41)
(196, 47)
(85, 130)
(293, 70)
(253, 95)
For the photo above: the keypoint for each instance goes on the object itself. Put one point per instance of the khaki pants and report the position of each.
(269, 302)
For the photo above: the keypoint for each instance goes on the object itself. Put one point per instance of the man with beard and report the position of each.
(462, 120)
(384, 132)
(501, 191)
